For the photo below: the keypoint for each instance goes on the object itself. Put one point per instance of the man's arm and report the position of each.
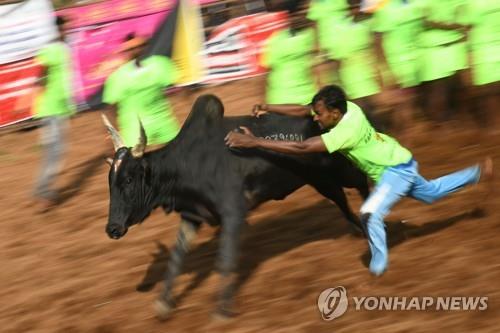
(248, 140)
(296, 110)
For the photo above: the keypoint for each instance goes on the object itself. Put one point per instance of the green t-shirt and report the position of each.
(400, 23)
(56, 98)
(484, 15)
(355, 138)
(326, 13)
(319, 9)
(139, 94)
(352, 43)
(289, 59)
(445, 11)
(484, 40)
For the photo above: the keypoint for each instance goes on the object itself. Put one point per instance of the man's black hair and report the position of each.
(333, 96)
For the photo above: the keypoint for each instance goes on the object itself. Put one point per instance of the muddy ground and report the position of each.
(61, 273)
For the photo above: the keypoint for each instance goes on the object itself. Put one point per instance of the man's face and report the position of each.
(324, 117)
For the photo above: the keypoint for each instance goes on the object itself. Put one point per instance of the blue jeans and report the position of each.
(397, 182)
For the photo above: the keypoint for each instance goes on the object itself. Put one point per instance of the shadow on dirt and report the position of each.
(273, 237)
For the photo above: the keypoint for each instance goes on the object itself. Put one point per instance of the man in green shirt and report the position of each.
(136, 91)
(395, 25)
(484, 47)
(442, 55)
(326, 13)
(53, 106)
(351, 47)
(288, 55)
(388, 164)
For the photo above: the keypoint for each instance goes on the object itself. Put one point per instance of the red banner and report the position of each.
(16, 90)
(234, 48)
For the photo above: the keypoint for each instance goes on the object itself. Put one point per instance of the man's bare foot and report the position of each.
(486, 170)
(486, 184)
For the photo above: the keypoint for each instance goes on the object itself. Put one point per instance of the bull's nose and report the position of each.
(115, 231)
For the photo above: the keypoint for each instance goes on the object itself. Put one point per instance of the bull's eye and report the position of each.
(128, 180)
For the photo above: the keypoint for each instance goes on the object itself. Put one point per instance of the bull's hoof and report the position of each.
(163, 309)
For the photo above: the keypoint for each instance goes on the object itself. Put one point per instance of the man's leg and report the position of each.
(429, 191)
(394, 184)
(52, 143)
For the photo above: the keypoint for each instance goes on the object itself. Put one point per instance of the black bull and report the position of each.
(199, 177)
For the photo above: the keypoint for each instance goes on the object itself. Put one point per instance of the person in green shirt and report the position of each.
(53, 106)
(443, 55)
(395, 25)
(484, 47)
(351, 46)
(391, 166)
(325, 14)
(136, 92)
(288, 56)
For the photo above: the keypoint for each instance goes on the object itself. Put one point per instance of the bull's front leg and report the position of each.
(232, 223)
(185, 236)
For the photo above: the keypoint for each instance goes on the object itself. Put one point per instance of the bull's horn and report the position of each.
(139, 148)
(115, 136)
(109, 161)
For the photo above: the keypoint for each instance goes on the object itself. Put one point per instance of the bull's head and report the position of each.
(129, 185)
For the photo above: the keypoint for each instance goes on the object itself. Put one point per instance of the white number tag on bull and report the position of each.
(285, 137)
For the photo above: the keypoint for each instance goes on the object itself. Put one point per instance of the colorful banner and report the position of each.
(234, 48)
(94, 50)
(17, 90)
(188, 43)
(97, 30)
(24, 28)
(114, 10)
(178, 36)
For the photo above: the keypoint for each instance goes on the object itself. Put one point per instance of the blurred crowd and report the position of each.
(397, 58)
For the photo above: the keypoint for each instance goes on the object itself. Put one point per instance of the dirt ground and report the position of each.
(61, 273)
